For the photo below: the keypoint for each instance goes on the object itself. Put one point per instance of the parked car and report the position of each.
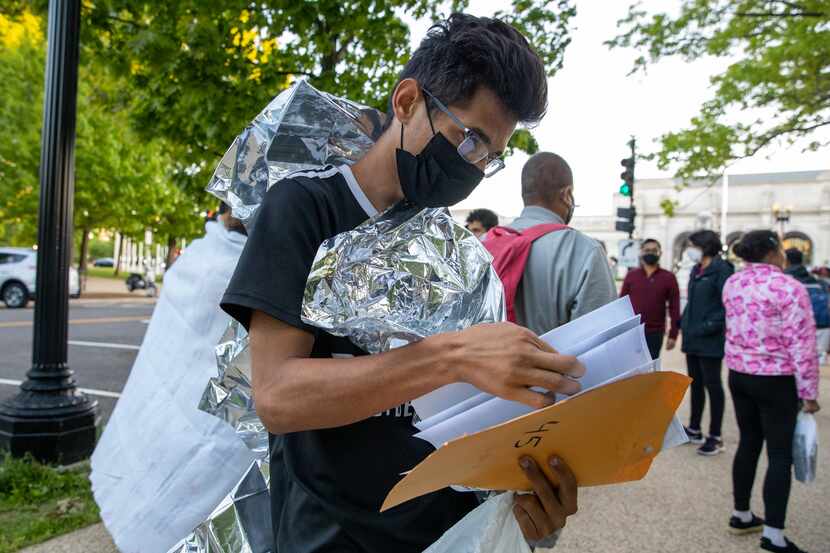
(18, 268)
(104, 262)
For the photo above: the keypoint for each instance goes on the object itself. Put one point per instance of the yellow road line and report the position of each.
(107, 320)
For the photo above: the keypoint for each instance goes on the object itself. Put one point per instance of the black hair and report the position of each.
(794, 256)
(487, 218)
(651, 241)
(708, 241)
(755, 245)
(464, 52)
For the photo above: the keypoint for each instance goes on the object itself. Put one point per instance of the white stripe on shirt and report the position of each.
(357, 192)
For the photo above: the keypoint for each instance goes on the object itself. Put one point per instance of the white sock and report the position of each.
(745, 516)
(775, 535)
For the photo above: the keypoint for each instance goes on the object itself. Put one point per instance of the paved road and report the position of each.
(104, 339)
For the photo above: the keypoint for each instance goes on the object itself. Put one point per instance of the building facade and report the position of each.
(796, 204)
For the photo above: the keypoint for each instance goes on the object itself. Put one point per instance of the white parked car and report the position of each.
(18, 267)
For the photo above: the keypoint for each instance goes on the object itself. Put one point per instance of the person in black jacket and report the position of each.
(704, 330)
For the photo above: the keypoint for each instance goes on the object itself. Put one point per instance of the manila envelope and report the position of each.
(606, 435)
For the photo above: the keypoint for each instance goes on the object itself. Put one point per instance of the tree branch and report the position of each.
(779, 132)
(126, 21)
(780, 14)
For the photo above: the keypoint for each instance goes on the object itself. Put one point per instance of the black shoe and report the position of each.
(789, 548)
(695, 436)
(713, 446)
(739, 527)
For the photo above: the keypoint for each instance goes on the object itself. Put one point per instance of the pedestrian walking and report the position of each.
(703, 336)
(654, 291)
(772, 361)
(819, 298)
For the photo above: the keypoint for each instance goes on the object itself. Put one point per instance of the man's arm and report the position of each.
(294, 392)
(626, 285)
(596, 285)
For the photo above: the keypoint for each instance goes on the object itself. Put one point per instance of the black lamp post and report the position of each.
(49, 417)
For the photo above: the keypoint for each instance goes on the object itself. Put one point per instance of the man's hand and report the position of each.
(506, 360)
(811, 406)
(670, 343)
(546, 510)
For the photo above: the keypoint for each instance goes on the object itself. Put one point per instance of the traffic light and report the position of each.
(626, 215)
(625, 219)
(627, 187)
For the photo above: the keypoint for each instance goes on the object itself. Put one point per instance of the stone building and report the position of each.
(797, 204)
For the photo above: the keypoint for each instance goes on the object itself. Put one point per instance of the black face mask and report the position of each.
(438, 176)
(651, 258)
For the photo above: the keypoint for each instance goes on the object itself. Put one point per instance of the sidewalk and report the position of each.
(99, 288)
(682, 505)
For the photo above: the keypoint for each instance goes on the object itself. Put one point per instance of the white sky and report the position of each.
(594, 108)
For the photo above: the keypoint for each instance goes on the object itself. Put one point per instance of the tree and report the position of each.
(122, 180)
(202, 70)
(777, 90)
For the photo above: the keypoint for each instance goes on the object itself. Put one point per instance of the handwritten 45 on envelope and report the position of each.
(607, 435)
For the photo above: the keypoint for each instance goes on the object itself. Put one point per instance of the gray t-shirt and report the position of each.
(566, 276)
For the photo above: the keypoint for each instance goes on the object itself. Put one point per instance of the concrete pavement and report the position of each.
(682, 506)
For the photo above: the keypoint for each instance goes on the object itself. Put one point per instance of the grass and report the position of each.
(109, 272)
(103, 272)
(38, 502)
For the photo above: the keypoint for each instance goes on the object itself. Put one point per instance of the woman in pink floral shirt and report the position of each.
(771, 354)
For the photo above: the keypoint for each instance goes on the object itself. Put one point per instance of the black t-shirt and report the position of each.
(332, 482)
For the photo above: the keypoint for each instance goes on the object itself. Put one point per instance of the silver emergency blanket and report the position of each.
(302, 128)
(241, 523)
(228, 395)
(400, 277)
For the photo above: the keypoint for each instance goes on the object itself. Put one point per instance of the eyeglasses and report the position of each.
(473, 148)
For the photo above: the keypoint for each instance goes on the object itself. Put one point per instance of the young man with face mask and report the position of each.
(567, 274)
(653, 289)
(345, 416)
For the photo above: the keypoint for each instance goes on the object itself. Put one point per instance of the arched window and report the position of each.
(679, 247)
(731, 239)
(800, 241)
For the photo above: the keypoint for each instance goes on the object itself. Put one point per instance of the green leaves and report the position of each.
(782, 72)
(166, 86)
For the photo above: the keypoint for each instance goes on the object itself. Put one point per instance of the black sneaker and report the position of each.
(767, 545)
(712, 446)
(739, 527)
(695, 436)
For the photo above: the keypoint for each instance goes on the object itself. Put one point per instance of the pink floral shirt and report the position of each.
(770, 328)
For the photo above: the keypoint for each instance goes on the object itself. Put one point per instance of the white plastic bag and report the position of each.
(489, 528)
(805, 448)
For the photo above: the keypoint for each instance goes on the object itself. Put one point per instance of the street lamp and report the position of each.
(49, 417)
(782, 217)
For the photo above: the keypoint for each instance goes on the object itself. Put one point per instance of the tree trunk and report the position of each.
(171, 252)
(82, 261)
(119, 247)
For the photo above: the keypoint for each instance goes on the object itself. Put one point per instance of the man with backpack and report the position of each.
(552, 273)
(819, 297)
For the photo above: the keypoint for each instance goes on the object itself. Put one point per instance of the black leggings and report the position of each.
(705, 375)
(766, 408)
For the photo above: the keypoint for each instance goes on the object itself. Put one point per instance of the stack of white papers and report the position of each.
(610, 342)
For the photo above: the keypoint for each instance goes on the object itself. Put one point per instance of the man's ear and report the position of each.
(405, 100)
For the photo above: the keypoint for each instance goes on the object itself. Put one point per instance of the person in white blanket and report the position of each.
(158, 452)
